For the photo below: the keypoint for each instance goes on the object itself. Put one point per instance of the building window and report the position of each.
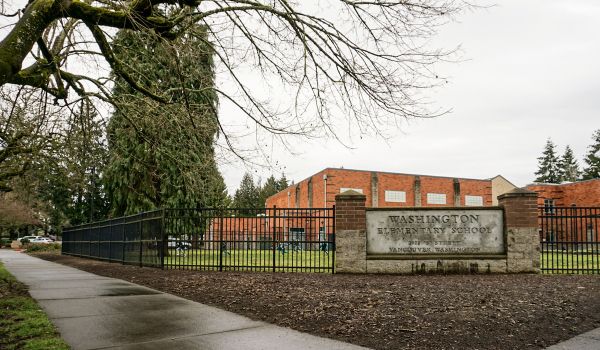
(474, 201)
(344, 189)
(549, 206)
(395, 196)
(436, 198)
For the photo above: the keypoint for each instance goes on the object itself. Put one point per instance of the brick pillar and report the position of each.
(456, 192)
(350, 233)
(374, 190)
(522, 239)
(417, 190)
(310, 193)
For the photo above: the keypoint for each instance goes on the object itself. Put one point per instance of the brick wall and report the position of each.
(521, 210)
(374, 186)
(437, 185)
(476, 188)
(396, 182)
(581, 194)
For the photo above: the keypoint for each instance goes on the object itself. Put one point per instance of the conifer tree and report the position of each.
(247, 196)
(569, 168)
(270, 188)
(162, 155)
(592, 158)
(282, 183)
(548, 167)
(68, 175)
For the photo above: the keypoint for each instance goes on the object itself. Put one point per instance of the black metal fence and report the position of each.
(270, 239)
(569, 239)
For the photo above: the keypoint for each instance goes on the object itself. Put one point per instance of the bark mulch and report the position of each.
(386, 311)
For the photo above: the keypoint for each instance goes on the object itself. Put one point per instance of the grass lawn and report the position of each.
(563, 262)
(23, 324)
(253, 259)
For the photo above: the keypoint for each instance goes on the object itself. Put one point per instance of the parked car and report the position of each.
(41, 240)
(29, 238)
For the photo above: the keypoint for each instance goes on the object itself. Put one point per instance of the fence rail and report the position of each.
(569, 239)
(270, 239)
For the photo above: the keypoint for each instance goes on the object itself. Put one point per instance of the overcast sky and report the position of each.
(530, 72)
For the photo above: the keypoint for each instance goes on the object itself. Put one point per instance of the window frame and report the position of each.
(436, 195)
(401, 194)
(480, 202)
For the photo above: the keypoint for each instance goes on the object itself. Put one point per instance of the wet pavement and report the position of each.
(585, 341)
(95, 312)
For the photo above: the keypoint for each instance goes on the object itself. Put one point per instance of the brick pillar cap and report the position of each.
(518, 192)
(350, 194)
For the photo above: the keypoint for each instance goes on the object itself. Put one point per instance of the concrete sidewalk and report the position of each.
(95, 312)
(585, 341)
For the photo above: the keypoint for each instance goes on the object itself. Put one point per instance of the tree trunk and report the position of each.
(38, 15)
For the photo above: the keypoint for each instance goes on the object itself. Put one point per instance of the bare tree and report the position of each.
(365, 60)
(27, 125)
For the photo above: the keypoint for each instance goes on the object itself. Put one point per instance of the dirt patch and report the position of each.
(390, 312)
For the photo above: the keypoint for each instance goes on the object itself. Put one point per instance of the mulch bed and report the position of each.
(390, 312)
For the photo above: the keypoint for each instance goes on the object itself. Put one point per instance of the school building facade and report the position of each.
(580, 194)
(384, 189)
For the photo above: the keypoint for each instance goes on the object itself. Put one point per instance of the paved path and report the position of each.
(585, 341)
(95, 312)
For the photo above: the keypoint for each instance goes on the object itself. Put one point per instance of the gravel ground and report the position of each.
(387, 311)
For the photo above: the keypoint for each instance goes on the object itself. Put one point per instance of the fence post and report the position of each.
(109, 240)
(332, 247)
(140, 235)
(62, 246)
(123, 243)
(99, 244)
(89, 250)
(274, 233)
(162, 239)
(221, 242)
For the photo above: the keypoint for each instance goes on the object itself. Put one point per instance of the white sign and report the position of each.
(435, 232)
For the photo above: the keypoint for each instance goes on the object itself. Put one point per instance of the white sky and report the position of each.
(530, 71)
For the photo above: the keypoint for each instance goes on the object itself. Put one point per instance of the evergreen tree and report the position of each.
(592, 158)
(270, 187)
(548, 167)
(282, 183)
(247, 196)
(569, 168)
(162, 155)
(68, 175)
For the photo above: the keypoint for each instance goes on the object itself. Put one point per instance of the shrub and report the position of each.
(5, 242)
(36, 247)
(24, 241)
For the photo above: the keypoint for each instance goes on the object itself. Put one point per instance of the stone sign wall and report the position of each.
(441, 231)
(500, 239)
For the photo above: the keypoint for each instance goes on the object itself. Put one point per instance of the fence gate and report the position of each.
(569, 239)
(271, 239)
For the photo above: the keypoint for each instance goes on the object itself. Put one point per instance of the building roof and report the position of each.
(397, 173)
(505, 179)
(381, 172)
(561, 184)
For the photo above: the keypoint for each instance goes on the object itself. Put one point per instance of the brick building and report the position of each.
(580, 193)
(384, 189)
(566, 219)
